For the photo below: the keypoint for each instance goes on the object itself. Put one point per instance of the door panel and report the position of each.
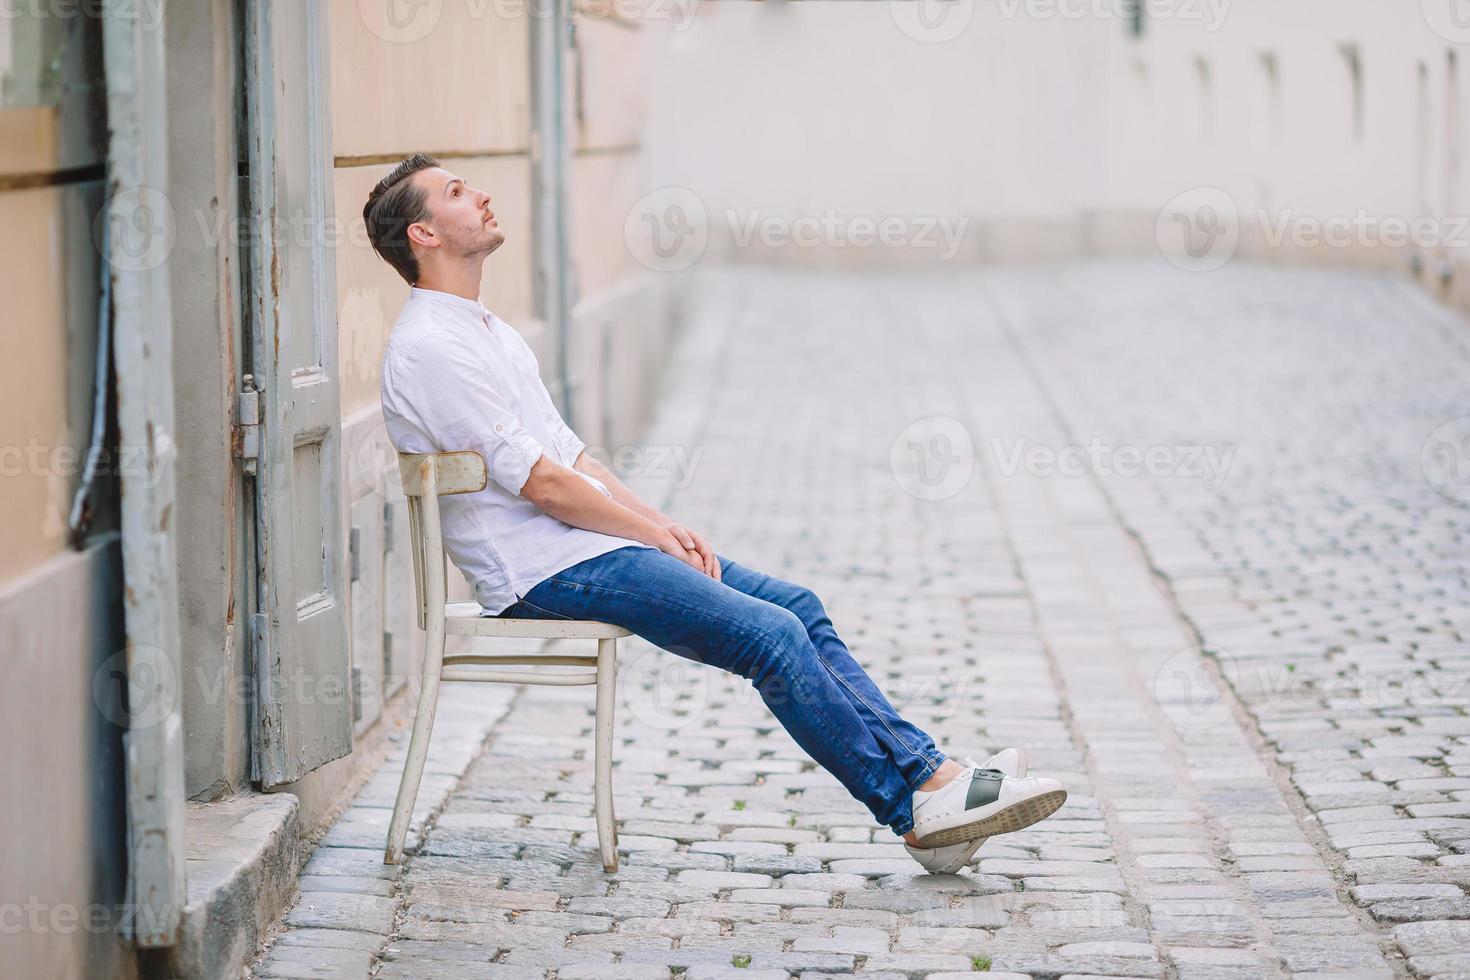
(304, 715)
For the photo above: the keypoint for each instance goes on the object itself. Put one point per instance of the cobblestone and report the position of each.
(1252, 679)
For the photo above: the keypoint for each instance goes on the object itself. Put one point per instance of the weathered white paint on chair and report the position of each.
(427, 477)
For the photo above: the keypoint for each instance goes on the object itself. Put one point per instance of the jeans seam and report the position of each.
(930, 763)
(549, 612)
(876, 714)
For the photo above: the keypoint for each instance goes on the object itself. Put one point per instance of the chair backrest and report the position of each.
(426, 477)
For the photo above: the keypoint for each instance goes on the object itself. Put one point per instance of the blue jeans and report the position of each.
(775, 634)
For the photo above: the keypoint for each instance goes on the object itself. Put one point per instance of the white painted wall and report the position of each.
(1039, 114)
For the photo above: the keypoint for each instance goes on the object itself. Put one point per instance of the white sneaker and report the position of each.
(954, 857)
(982, 803)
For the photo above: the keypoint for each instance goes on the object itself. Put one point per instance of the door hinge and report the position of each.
(354, 553)
(387, 528)
(246, 435)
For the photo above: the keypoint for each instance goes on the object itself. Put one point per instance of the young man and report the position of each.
(555, 535)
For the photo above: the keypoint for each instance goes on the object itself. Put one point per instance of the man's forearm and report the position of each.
(620, 492)
(574, 501)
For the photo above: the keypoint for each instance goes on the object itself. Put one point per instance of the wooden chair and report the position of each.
(426, 478)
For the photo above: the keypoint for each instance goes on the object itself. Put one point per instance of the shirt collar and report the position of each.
(471, 306)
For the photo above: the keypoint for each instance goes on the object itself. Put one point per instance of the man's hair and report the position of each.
(393, 205)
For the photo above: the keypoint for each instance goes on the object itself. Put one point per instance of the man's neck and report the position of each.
(459, 281)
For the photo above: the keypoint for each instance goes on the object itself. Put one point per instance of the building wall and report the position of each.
(62, 872)
(1054, 130)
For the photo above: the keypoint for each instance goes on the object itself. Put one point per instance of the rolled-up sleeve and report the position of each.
(455, 399)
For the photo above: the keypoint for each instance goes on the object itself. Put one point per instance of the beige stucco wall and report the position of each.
(48, 269)
(33, 379)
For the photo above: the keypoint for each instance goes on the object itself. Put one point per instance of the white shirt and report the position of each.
(456, 377)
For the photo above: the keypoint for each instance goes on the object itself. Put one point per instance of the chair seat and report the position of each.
(464, 619)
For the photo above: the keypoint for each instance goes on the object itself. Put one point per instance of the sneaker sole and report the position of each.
(957, 864)
(1016, 817)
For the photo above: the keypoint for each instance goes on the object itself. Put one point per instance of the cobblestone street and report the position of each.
(1048, 506)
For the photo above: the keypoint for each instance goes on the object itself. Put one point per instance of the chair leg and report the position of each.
(607, 825)
(418, 745)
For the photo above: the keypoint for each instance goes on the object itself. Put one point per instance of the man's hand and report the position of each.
(693, 541)
(672, 538)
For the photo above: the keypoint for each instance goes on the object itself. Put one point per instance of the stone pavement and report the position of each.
(1246, 661)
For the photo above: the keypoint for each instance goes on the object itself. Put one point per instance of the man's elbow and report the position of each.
(546, 485)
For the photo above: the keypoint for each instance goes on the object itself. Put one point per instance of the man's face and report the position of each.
(460, 219)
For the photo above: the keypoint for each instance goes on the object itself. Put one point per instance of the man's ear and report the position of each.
(421, 234)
